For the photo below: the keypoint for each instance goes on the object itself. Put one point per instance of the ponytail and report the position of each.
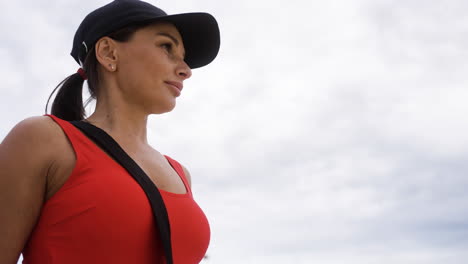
(68, 103)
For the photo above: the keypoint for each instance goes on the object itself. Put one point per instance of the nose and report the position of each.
(184, 70)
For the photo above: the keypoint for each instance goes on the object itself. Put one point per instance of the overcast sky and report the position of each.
(325, 132)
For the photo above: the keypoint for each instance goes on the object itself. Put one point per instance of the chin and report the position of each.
(163, 109)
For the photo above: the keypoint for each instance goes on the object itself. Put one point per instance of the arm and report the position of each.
(25, 156)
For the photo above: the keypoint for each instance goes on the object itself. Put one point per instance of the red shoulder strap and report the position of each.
(72, 133)
(178, 168)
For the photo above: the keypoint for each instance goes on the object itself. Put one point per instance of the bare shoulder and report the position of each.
(31, 139)
(34, 128)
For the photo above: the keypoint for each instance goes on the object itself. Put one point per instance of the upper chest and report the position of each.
(155, 165)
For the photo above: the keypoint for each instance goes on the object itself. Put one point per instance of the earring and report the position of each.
(111, 66)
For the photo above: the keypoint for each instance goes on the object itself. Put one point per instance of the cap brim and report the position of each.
(200, 34)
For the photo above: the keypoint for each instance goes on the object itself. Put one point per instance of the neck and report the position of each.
(122, 121)
(125, 129)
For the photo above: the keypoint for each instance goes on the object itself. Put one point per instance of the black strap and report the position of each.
(108, 144)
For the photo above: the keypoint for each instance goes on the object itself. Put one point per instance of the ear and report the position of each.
(107, 53)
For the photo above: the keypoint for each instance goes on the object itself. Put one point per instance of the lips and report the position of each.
(177, 85)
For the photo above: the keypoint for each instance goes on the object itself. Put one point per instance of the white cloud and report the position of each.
(325, 132)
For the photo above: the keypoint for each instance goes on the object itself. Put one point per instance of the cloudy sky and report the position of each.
(325, 132)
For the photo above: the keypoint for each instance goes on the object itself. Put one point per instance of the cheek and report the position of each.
(133, 68)
(135, 60)
(147, 63)
(143, 72)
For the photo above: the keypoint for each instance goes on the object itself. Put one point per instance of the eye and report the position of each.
(167, 46)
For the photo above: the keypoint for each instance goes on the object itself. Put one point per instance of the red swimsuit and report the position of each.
(101, 215)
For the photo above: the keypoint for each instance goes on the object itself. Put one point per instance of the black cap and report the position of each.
(199, 31)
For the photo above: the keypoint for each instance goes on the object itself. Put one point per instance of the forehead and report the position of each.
(164, 27)
(160, 30)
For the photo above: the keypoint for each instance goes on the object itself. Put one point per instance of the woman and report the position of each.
(64, 199)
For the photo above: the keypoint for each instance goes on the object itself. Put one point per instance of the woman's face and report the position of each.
(151, 68)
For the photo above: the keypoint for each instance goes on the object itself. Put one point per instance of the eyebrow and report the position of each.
(171, 37)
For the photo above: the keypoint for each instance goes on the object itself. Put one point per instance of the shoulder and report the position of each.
(34, 128)
(32, 135)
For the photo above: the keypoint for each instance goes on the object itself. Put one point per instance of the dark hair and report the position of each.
(68, 103)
